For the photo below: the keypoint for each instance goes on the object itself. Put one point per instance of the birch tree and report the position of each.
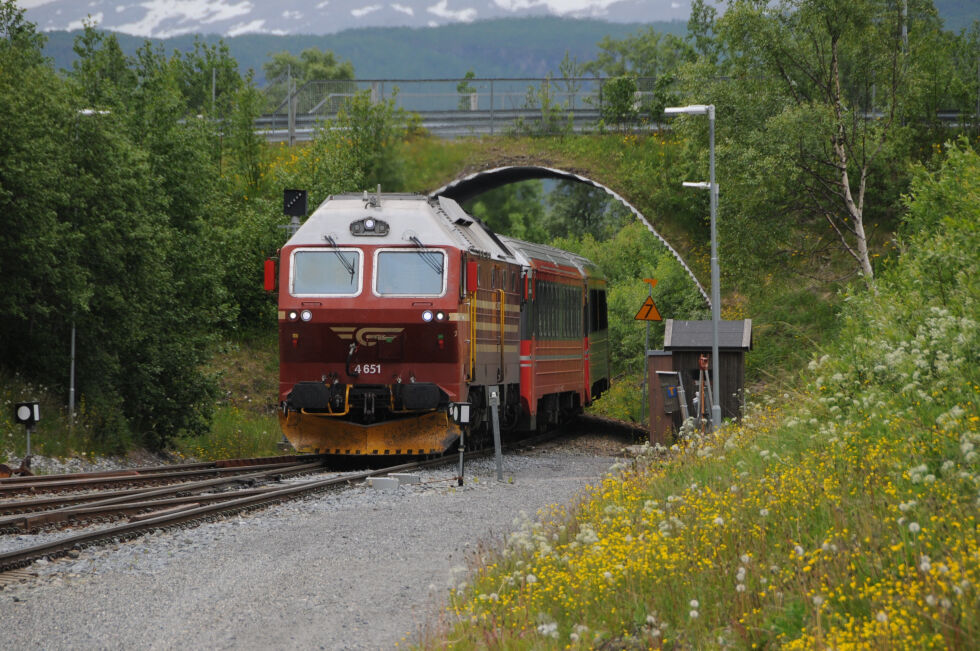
(833, 73)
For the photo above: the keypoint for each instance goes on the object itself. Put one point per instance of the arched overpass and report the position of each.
(475, 184)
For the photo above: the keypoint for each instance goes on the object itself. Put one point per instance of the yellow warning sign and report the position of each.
(648, 312)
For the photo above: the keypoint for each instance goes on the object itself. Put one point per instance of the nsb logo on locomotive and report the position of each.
(366, 336)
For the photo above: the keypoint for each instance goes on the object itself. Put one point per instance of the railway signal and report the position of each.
(460, 413)
(27, 414)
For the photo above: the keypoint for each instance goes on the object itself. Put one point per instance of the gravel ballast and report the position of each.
(361, 568)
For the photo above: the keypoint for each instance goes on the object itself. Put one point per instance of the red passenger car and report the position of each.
(394, 305)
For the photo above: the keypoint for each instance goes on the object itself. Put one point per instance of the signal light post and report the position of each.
(709, 110)
(27, 414)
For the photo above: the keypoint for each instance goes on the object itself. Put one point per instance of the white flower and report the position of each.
(530, 578)
(931, 600)
(745, 558)
(882, 616)
(798, 550)
(693, 614)
(694, 603)
(914, 527)
(817, 600)
(740, 587)
(719, 521)
(763, 512)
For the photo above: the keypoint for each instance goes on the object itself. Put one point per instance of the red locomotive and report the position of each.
(391, 306)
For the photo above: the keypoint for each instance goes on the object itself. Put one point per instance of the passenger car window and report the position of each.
(325, 272)
(411, 272)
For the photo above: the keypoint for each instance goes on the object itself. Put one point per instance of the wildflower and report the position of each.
(763, 512)
(530, 578)
(925, 563)
(693, 614)
(914, 527)
(740, 587)
(798, 550)
(931, 600)
(550, 630)
(694, 603)
(881, 616)
(817, 600)
(718, 521)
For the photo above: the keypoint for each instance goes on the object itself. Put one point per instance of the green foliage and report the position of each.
(649, 53)
(465, 90)
(370, 135)
(515, 209)
(313, 64)
(619, 105)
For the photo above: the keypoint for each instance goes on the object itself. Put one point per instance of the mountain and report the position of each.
(170, 18)
(527, 47)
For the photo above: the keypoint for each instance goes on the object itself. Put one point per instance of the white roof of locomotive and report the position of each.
(434, 222)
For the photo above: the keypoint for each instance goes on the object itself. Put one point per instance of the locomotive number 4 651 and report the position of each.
(367, 369)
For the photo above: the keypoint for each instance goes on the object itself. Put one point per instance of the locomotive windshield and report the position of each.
(413, 272)
(325, 272)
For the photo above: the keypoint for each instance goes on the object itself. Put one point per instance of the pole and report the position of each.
(715, 290)
(71, 382)
(646, 369)
(290, 109)
(498, 453)
(462, 436)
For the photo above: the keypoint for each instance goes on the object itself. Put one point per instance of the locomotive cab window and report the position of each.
(410, 272)
(325, 272)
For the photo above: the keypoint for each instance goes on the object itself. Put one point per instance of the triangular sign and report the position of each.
(648, 312)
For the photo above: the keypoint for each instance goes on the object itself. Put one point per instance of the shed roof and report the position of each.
(698, 335)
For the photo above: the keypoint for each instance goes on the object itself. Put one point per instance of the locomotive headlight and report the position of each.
(293, 315)
(440, 316)
(306, 315)
(369, 224)
(427, 316)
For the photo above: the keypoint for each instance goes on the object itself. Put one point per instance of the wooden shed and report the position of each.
(688, 340)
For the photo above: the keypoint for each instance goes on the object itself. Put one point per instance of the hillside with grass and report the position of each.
(842, 513)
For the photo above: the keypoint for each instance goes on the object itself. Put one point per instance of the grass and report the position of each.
(235, 433)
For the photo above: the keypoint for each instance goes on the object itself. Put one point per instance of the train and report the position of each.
(393, 306)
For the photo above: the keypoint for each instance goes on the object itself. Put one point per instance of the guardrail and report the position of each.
(452, 108)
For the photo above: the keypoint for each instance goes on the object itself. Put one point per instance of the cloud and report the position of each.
(364, 11)
(405, 10)
(441, 10)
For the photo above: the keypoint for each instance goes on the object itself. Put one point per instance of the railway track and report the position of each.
(255, 485)
(148, 476)
(159, 508)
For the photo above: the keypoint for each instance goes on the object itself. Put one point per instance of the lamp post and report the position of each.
(709, 110)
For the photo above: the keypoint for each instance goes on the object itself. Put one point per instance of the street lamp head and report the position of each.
(692, 109)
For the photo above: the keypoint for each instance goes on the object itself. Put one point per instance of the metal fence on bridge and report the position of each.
(452, 108)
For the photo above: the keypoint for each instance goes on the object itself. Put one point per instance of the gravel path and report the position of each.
(357, 569)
